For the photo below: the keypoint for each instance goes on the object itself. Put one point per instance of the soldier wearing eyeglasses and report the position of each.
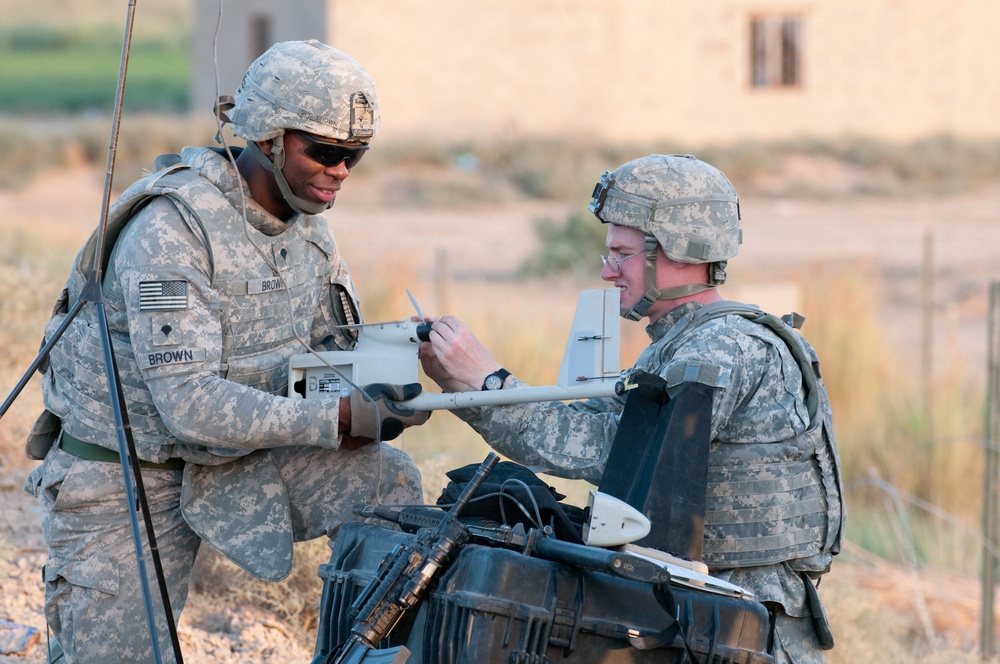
(773, 505)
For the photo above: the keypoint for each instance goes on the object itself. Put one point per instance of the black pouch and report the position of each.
(820, 622)
(43, 435)
(507, 489)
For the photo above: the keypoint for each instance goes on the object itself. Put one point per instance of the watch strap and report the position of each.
(500, 373)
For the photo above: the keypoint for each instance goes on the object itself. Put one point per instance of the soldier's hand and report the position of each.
(376, 411)
(453, 357)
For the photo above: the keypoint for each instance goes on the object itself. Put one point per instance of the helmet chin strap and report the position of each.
(298, 204)
(652, 294)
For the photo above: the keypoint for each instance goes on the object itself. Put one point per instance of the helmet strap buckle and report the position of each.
(640, 308)
(717, 273)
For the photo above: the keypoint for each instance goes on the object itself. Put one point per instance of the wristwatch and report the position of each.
(495, 380)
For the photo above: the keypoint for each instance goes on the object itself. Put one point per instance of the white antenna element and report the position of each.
(592, 348)
(416, 305)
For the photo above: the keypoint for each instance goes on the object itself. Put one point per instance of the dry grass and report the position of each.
(22, 318)
(894, 438)
(882, 426)
(294, 602)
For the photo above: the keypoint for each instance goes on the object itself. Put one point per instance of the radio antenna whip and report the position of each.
(126, 445)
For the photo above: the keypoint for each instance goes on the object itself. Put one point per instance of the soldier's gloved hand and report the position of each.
(382, 406)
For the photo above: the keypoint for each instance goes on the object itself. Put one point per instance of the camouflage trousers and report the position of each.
(794, 640)
(93, 598)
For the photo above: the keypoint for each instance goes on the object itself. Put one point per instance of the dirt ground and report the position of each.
(784, 239)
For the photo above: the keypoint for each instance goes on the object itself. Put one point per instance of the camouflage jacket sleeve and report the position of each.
(565, 439)
(196, 405)
(757, 398)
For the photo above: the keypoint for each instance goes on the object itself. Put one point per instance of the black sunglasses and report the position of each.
(332, 154)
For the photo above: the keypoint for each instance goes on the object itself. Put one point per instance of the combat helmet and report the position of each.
(303, 85)
(680, 203)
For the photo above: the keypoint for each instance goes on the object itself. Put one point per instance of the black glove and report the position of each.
(381, 406)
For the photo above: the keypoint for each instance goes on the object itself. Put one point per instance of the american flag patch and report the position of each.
(163, 295)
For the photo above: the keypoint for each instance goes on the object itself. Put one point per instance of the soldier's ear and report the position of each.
(267, 147)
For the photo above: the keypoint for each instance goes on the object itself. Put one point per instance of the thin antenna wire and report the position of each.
(126, 447)
(277, 272)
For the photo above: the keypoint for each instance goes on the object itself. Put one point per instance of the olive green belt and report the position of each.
(92, 452)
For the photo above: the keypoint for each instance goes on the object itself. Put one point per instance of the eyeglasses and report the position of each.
(332, 154)
(616, 263)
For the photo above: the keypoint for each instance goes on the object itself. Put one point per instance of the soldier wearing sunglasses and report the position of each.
(222, 269)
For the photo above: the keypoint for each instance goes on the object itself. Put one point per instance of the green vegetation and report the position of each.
(86, 79)
(572, 246)
(52, 70)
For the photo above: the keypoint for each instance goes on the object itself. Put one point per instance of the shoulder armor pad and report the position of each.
(139, 194)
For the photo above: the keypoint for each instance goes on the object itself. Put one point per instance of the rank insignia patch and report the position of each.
(163, 295)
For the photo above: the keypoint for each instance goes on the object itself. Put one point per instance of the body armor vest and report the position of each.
(261, 314)
(776, 501)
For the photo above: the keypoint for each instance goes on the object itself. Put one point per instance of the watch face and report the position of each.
(493, 382)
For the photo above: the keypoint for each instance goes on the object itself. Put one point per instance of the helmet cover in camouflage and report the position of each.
(309, 86)
(689, 206)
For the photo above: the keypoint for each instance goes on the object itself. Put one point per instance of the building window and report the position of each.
(775, 52)
(260, 35)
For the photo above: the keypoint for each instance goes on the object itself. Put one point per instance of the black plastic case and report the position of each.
(498, 605)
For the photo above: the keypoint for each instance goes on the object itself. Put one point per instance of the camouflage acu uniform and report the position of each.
(762, 537)
(202, 331)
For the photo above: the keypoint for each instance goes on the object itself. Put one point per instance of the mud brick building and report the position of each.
(689, 70)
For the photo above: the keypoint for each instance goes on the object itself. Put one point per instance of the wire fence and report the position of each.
(899, 503)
